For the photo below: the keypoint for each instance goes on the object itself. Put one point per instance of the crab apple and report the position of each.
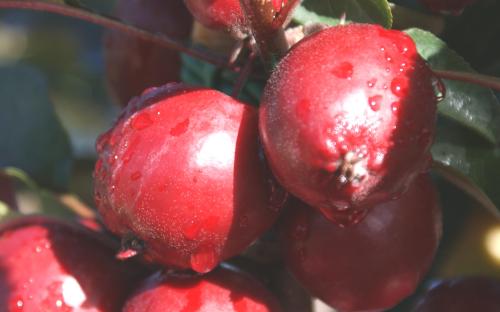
(133, 64)
(217, 14)
(462, 295)
(53, 265)
(223, 14)
(454, 7)
(348, 117)
(224, 289)
(182, 173)
(369, 266)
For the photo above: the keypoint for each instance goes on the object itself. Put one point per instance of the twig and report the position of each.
(243, 76)
(112, 23)
(478, 79)
(271, 41)
(77, 206)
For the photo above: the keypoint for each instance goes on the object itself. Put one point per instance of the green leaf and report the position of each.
(49, 204)
(200, 73)
(469, 163)
(470, 105)
(31, 136)
(330, 11)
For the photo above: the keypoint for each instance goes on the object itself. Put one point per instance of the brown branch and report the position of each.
(285, 14)
(243, 76)
(271, 41)
(111, 23)
(478, 79)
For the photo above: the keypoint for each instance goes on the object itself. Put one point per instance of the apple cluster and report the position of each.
(339, 147)
(335, 159)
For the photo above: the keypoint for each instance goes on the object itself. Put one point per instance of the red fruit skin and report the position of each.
(462, 295)
(454, 7)
(372, 265)
(217, 14)
(349, 125)
(51, 265)
(132, 64)
(182, 171)
(220, 290)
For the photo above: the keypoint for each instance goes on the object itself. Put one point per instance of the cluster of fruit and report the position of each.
(335, 159)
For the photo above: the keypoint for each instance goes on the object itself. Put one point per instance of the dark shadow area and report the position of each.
(105, 281)
(257, 198)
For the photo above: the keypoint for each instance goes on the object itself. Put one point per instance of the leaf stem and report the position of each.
(112, 23)
(478, 79)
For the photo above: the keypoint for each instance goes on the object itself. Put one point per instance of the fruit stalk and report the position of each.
(270, 38)
(111, 23)
(243, 76)
(478, 79)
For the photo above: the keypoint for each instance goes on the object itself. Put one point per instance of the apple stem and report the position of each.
(112, 23)
(75, 204)
(130, 247)
(245, 73)
(478, 79)
(269, 37)
(285, 14)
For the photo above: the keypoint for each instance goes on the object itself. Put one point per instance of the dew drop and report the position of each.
(136, 176)
(395, 107)
(180, 128)
(204, 259)
(344, 70)
(399, 86)
(192, 230)
(141, 121)
(113, 159)
(371, 83)
(194, 301)
(388, 58)
(17, 305)
(439, 89)
(374, 102)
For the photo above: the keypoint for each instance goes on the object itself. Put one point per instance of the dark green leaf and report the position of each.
(470, 105)
(469, 163)
(198, 72)
(330, 11)
(31, 136)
